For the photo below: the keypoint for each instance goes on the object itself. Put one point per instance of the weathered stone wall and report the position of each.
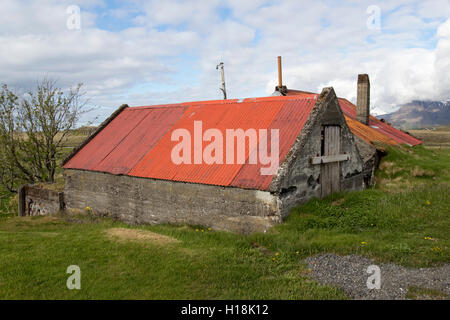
(36, 201)
(303, 182)
(371, 158)
(300, 179)
(138, 200)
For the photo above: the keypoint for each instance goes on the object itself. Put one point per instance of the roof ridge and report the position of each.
(228, 101)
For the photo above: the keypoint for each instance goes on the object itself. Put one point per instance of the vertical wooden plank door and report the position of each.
(330, 172)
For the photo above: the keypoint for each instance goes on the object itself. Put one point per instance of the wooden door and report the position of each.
(330, 172)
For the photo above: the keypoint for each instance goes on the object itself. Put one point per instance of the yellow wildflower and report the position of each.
(428, 202)
(363, 243)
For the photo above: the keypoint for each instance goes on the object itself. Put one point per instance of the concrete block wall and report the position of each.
(37, 201)
(138, 200)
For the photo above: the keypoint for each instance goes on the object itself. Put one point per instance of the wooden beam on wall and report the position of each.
(328, 159)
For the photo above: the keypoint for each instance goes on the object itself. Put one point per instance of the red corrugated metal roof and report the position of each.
(138, 141)
(158, 164)
(368, 133)
(289, 121)
(122, 143)
(399, 136)
(154, 124)
(349, 110)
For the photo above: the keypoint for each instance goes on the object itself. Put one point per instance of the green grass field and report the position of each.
(404, 219)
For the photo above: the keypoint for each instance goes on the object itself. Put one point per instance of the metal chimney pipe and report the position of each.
(280, 77)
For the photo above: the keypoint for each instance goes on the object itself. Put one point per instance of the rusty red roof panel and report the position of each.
(399, 136)
(121, 144)
(151, 126)
(349, 110)
(289, 121)
(368, 133)
(159, 165)
(91, 155)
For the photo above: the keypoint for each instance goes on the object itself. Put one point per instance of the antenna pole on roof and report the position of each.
(222, 72)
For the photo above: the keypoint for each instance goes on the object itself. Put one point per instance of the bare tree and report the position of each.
(32, 130)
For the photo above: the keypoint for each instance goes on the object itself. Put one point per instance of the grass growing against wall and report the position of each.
(405, 221)
(404, 168)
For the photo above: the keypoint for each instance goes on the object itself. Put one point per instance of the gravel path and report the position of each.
(350, 274)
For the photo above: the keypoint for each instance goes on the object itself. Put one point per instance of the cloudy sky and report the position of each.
(165, 51)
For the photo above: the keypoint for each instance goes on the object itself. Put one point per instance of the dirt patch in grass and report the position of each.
(123, 234)
(419, 172)
(385, 165)
(338, 202)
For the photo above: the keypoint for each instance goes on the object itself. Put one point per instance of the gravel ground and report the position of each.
(350, 274)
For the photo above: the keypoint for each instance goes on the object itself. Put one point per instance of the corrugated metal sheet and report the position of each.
(105, 141)
(367, 133)
(118, 147)
(158, 163)
(400, 137)
(374, 131)
(138, 141)
(216, 102)
(154, 124)
(289, 121)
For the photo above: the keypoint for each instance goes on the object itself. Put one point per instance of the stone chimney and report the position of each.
(363, 99)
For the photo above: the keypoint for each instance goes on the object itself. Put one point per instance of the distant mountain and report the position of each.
(419, 114)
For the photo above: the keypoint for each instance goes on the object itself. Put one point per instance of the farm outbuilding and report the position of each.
(323, 144)
(126, 168)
